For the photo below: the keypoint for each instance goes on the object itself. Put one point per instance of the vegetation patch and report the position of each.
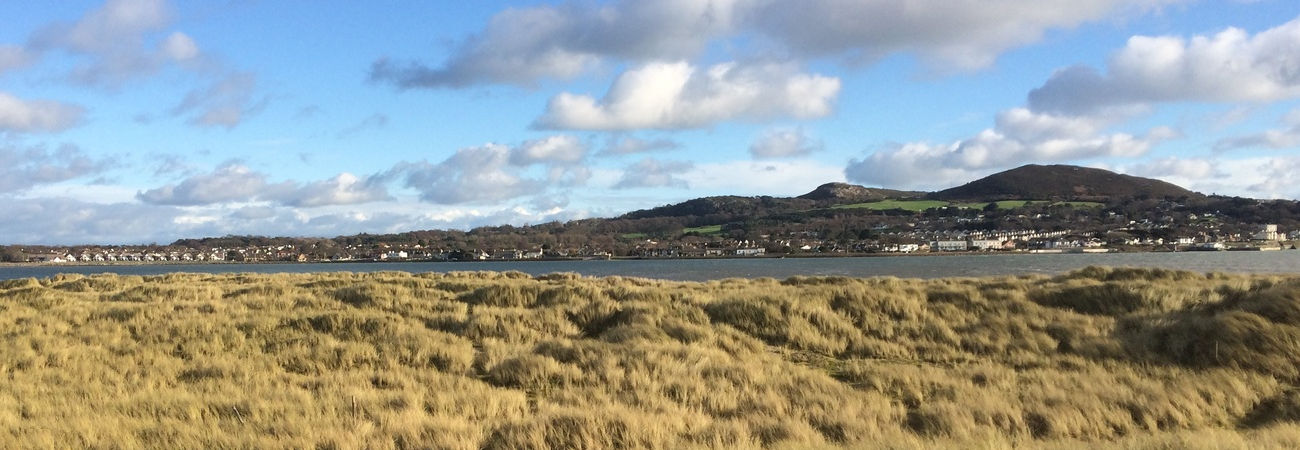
(704, 230)
(884, 205)
(1098, 358)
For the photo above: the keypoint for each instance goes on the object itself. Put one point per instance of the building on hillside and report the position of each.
(46, 257)
(508, 254)
(756, 251)
(1268, 233)
(950, 246)
(902, 248)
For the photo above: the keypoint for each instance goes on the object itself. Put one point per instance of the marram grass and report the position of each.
(1108, 358)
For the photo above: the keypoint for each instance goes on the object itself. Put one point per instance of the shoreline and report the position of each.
(636, 258)
(1286, 246)
(536, 260)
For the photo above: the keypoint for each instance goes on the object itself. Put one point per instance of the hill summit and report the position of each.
(854, 193)
(1061, 182)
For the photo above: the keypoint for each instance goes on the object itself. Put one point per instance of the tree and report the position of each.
(12, 254)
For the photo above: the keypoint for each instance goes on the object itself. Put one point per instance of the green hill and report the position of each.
(1061, 182)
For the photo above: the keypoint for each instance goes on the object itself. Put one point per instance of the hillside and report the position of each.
(852, 193)
(730, 207)
(1030, 182)
(1100, 358)
(1061, 182)
(727, 207)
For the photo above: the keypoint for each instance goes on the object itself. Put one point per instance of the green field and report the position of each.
(1080, 204)
(708, 229)
(883, 205)
(704, 230)
(922, 205)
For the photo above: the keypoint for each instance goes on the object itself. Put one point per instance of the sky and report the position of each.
(146, 121)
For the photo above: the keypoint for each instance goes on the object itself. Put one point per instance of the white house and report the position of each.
(951, 246)
(1269, 233)
(751, 251)
(902, 248)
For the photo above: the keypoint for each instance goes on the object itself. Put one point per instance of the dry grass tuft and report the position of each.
(1101, 357)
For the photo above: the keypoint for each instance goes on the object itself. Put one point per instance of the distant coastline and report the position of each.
(1287, 246)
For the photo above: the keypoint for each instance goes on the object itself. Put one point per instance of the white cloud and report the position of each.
(1276, 178)
(179, 47)
(344, 189)
(1177, 168)
(1019, 137)
(228, 183)
(253, 213)
(1252, 177)
(1231, 66)
(627, 145)
(784, 143)
(23, 169)
(472, 175)
(563, 149)
(18, 115)
(373, 121)
(236, 183)
(494, 172)
(226, 102)
(126, 40)
(116, 20)
(13, 57)
(523, 45)
(64, 221)
(778, 178)
(1286, 137)
(950, 34)
(678, 95)
(649, 173)
(114, 38)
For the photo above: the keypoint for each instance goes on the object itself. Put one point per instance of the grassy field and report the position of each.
(909, 205)
(1104, 358)
(705, 230)
(922, 205)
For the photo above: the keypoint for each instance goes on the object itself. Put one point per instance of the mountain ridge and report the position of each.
(1028, 182)
(1061, 182)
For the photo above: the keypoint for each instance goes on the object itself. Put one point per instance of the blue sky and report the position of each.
(135, 121)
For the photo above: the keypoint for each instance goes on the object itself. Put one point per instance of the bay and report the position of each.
(918, 266)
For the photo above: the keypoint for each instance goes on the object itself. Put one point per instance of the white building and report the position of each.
(986, 244)
(1269, 233)
(951, 246)
(903, 248)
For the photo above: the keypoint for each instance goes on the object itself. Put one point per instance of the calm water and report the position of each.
(1287, 261)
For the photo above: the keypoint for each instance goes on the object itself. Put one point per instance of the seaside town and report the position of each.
(1128, 215)
(706, 242)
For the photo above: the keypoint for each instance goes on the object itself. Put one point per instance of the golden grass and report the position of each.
(1108, 358)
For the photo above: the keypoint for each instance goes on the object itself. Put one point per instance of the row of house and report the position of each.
(125, 257)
